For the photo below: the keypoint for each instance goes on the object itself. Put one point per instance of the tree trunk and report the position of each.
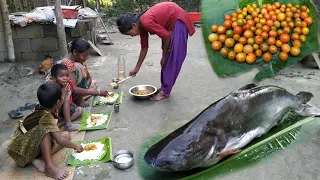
(84, 3)
(7, 30)
(60, 29)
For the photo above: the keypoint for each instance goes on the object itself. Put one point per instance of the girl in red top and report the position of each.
(172, 24)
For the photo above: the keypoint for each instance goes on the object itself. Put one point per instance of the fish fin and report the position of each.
(307, 110)
(225, 154)
(304, 97)
(248, 86)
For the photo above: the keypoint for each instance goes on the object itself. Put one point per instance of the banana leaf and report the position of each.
(293, 130)
(96, 100)
(85, 116)
(106, 156)
(213, 12)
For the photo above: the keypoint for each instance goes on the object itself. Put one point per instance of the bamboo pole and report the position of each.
(7, 30)
(60, 29)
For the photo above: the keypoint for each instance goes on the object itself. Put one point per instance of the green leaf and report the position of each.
(96, 100)
(107, 155)
(292, 131)
(213, 12)
(85, 116)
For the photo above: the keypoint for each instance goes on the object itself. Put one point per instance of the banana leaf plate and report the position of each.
(105, 157)
(294, 129)
(97, 100)
(214, 11)
(86, 115)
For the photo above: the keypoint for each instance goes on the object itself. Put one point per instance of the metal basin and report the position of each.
(123, 159)
(142, 87)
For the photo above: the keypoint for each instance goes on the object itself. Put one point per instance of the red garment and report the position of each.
(71, 89)
(160, 19)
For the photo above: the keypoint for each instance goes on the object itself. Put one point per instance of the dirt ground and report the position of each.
(196, 88)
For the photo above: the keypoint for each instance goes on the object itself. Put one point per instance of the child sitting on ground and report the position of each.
(34, 136)
(69, 111)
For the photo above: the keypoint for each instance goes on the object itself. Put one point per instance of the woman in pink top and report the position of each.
(172, 24)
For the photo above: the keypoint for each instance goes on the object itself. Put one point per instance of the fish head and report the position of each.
(180, 154)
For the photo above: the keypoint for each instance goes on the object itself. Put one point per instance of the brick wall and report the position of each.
(34, 42)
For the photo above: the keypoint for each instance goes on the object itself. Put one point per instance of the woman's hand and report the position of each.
(78, 148)
(163, 61)
(104, 93)
(134, 72)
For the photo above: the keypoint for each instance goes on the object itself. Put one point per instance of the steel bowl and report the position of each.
(123, 159)
(142, 87)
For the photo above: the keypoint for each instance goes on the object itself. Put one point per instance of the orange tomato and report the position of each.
(243, 40)
(241, 57)
(283, 56)
(267, 57)
(285, 48)
(227, 24)
(258, 53)
(232, 55)
(213, 37)
(247, 49)
(273, 33)
(269, 23)
(251, 58)
(237, 30)
(281, 16)
(295, 51)
(273, 49)
(296, 43)
(248, 34)
(278, 43)
(221, 29)
(284, 38)
(258, 40)
(214, 28)
(227, 17)
(238, 48)
(271, 41)
(216, 45)
(305, 31)
(264, 35)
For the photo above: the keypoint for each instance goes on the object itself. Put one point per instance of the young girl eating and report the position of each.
(36, 134)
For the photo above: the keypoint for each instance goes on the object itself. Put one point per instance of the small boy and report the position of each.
(35, 134)
(70, 111)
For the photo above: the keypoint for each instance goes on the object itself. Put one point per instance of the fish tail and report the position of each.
(304, 97)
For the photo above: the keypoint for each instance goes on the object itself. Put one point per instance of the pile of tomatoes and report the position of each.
(252, 32)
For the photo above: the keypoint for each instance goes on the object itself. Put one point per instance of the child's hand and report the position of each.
(66, 90)
(79, 148)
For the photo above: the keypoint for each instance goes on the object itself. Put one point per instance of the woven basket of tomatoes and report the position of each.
(274, 33)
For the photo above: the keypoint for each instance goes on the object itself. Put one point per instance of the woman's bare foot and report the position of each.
(56, 173)
(39, 165)
(158, 90)
(159, 96)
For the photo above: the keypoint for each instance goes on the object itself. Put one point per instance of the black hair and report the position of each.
(80, 45)
(125, 21)
(48, 94)
(57, 68)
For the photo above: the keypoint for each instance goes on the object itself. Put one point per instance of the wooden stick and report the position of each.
(7, 30)
(60, 29)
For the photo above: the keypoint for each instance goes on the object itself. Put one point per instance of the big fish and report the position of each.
(226, 126)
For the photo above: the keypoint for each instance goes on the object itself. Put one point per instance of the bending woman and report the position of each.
(172, 24)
